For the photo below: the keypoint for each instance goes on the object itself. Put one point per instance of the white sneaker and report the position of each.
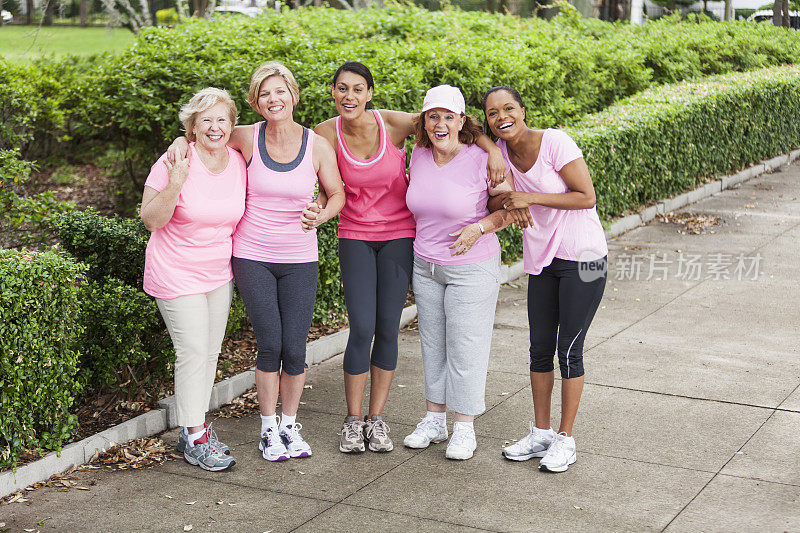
(272, 447)
(427, 431)
(462, 443)
(559, 455)
(297, 447)
(534, 444)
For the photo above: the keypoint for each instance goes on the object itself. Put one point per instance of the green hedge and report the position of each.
(671, 139)
(39, 294)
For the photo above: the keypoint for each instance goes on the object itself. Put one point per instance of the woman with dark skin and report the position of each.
(376, 232)
(565, 257)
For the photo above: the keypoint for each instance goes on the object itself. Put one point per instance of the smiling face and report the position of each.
(504, 115)
(442, 127)
(351, 94)
(275, 100)
(212, 127)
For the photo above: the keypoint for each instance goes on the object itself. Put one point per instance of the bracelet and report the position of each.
(483, 230)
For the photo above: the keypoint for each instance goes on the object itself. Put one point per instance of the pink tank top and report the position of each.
(270, 229)
(375, 190)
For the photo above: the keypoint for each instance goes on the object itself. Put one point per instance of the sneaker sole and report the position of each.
(524, 457)
(559, 469)
(407, 445)
(459, 457)
(204, 466)
(381, 450)
(351, 450)
(300, 455)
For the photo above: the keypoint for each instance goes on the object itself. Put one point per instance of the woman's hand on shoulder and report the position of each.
(179, 149)
(178, 171)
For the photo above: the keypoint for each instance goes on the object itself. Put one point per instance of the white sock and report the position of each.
(287, 420)
(468, 425)
(267, 422)
(439, 417)
(191, 437)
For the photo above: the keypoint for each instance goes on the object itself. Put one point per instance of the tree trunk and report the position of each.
(84, 12)
(728, 10)
(777, 14)
(1, 9)
(786, 21)
(49, 10)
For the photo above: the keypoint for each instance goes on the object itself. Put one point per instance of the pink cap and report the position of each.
(446, 97)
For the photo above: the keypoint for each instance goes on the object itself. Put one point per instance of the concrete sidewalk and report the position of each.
(689, 421)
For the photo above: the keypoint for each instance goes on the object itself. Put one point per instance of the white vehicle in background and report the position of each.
(7, 16)
(765, 15)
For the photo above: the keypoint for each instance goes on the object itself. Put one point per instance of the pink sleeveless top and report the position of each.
(375, 191)
(277, 193)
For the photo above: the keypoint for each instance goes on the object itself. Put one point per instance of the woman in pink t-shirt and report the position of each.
(376, 232)
(192, 211)
(564, 253)
(456, 268)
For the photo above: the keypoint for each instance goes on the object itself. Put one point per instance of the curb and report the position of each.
(624, 224)
(165, 417)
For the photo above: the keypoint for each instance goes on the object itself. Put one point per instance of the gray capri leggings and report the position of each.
(456, 305)
(279, 298)
(376, 276)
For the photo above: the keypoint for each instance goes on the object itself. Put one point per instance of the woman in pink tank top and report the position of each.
(275, 248)
(376, 233)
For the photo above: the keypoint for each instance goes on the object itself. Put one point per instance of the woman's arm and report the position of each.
(521, 217)
(399, 125)
(158, 206)
(496, 165)
(330, 181)
(581, 193)
(469, 234)
(326, 129)
(241, 140)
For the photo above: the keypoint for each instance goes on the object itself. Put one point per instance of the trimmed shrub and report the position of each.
(124, 343)
(39, 294)
(667, 140)
(111, 247)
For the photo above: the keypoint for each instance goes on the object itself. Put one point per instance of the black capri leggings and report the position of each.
(279, 298)
(562, 301)
(376, 277)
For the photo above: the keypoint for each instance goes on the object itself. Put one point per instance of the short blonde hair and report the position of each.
(267, 70)
(205, 99)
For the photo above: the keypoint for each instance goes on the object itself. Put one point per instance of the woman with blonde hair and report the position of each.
(275, 257)
(192, 211)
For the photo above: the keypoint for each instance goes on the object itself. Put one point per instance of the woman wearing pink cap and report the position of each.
(456, 268)
(376, 232)
(565, 257)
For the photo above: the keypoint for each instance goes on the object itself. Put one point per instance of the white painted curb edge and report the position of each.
(164, 418)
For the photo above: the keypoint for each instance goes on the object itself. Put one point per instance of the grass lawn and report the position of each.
(24, 43)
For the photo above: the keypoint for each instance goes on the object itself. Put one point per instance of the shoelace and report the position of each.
(428, 424)
(294, 432)
(379, 429)
(352, 429)
(558, 445)
(528, 440)
(212, 435)
(460, 436)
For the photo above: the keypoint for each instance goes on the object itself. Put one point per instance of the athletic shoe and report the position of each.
(297, 447)
(204, 456)
(352, 435)
(272, 446)
(559, 455)
(377, 433)
(534, 444)
(213, 441)
(462, 443)
(427, 431)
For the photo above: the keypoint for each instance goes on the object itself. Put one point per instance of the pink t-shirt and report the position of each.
(375, 189)
(571, 234)
(445, 199)
(192, 253)
(277, 193)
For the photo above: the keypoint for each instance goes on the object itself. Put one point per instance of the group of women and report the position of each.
(238, 202)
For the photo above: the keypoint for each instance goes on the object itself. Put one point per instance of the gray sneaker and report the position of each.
(376, 432)
(204, 456)
(214, 442)
(352, 435)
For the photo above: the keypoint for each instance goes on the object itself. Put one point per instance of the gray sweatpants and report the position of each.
(456, 305)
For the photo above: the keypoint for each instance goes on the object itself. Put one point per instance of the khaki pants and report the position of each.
(196, 324)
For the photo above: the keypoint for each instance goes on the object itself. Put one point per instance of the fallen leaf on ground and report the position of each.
(191, 503)
(187, 527)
